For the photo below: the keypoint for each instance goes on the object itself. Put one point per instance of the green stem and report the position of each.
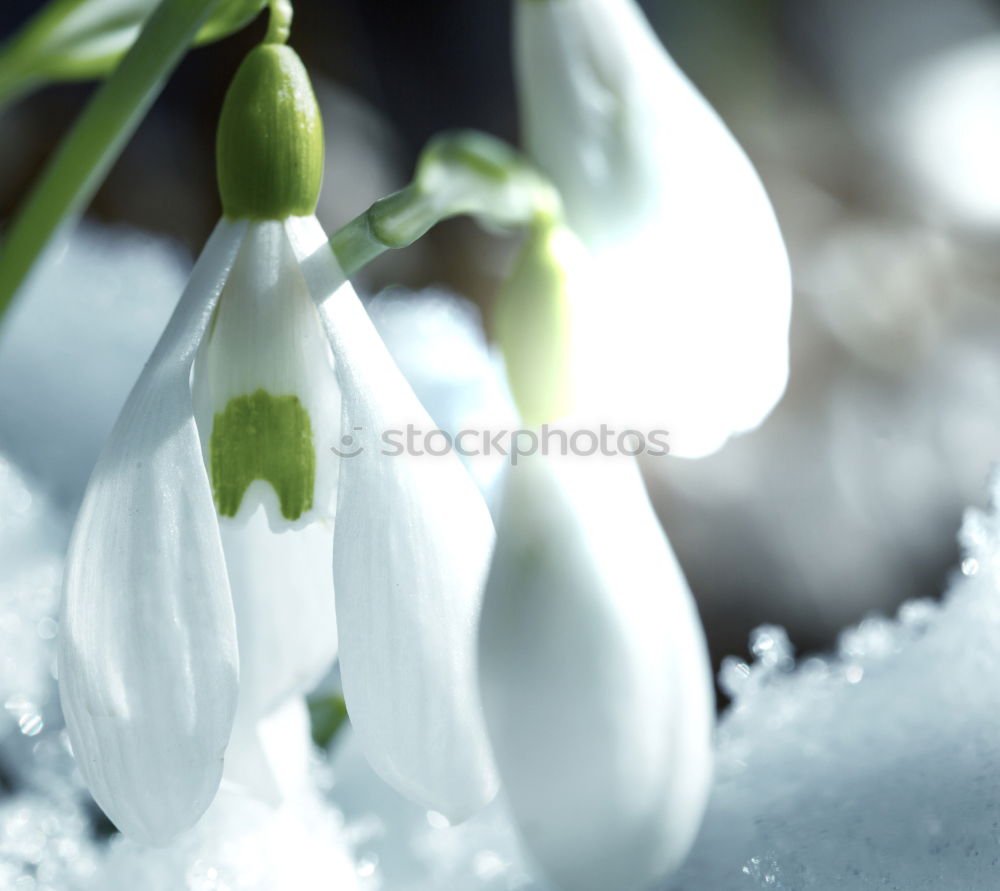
(279, 25)
(97, 138)
(461, 173)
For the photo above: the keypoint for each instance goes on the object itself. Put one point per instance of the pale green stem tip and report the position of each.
(533, 321)
(280, 24)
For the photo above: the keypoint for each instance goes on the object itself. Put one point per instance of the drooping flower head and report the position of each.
(199, 595)
(594, 673)
(693, 320)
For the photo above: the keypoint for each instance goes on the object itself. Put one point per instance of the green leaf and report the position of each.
(97, 138)
(229, 18)
(83, 39)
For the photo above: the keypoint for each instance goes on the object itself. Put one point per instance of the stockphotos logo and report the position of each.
(510, 444)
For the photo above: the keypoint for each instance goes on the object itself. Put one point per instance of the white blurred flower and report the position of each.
(198, 575)
(437, 340)
(594, 676)
(940, 118)
(59, 402)
(693, 326)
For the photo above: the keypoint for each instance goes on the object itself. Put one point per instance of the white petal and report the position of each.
(584, 107)
(147, 659)
(594, 675)
(282, 584)
(267, 334)
(270, 759)
(698, 294)
(411, 550)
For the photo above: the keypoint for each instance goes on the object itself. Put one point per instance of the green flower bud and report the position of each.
(533, 322)
(269, 148)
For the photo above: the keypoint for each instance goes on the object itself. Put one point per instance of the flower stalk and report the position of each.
(460, 173)
(279, 25)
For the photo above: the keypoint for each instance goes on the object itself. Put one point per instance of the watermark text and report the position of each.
(511, 444)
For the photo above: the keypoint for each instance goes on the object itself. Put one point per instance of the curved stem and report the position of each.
(279, 25)
(460, 173)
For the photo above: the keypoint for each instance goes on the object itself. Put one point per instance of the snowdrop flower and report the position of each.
(199, 595)
(694, 326)
(593, 669)
(938, 117)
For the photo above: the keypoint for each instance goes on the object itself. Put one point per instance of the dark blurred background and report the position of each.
(875, 125)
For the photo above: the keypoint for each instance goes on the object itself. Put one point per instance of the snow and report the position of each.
(241, 845)
(32, 538)
(45, 840)
(406, 848)
(876, 767)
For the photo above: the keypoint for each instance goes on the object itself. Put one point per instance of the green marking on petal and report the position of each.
(263, 437)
